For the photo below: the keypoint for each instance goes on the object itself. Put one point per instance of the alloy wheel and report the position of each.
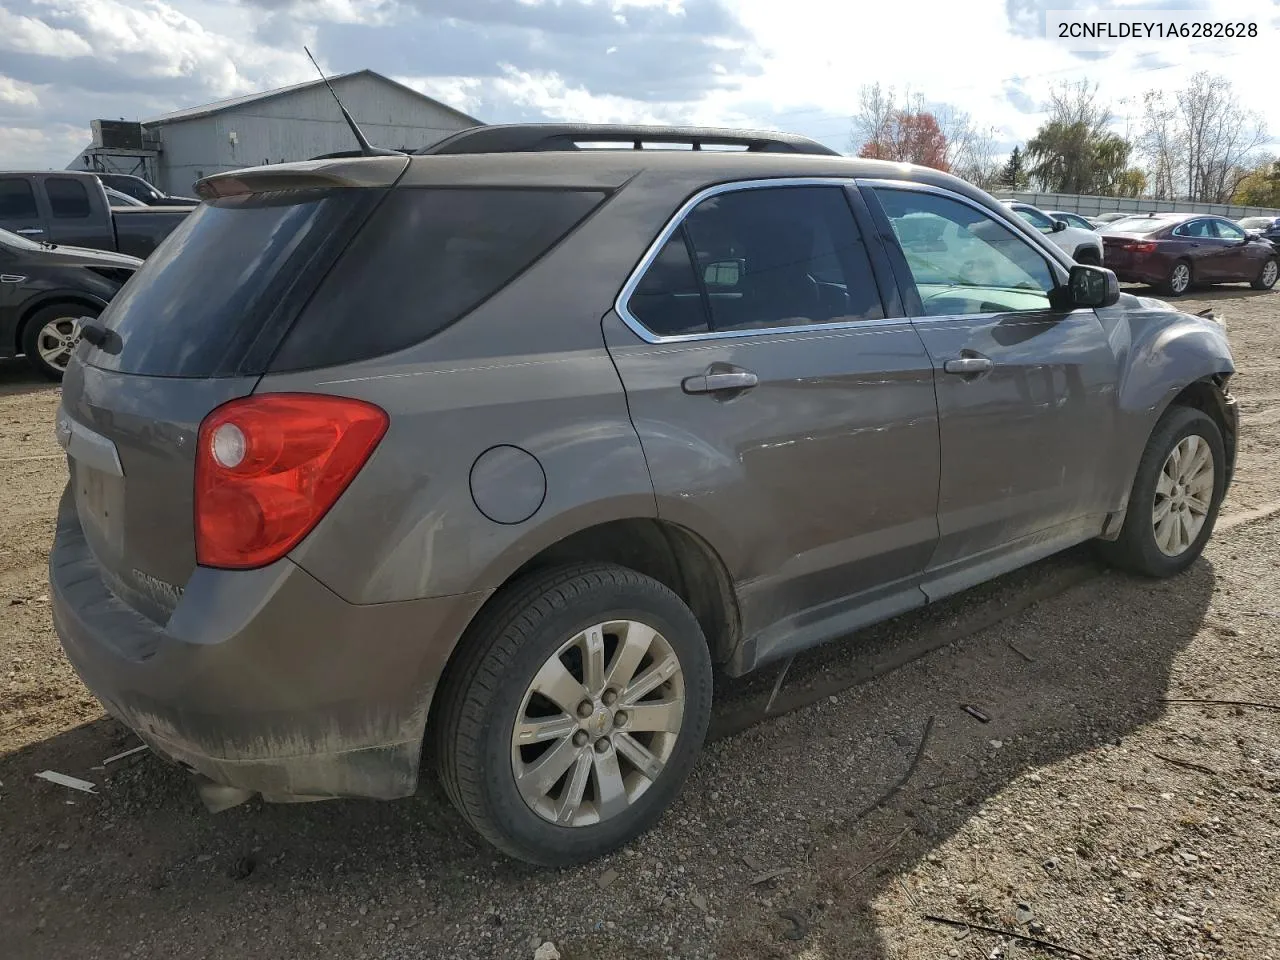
(598, 723)
(1269, 271)
(57, 340)
(1181, 278)
(1184, 492)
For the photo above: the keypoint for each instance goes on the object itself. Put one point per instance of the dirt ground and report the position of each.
(1089, 811)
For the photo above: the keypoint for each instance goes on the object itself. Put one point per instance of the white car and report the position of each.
(1084, 246)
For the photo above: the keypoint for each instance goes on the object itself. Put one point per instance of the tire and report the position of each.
(1267, 275)
(1176, 283)
(1089, 256)
(1136, 549)
(488, 689)
(57, 322)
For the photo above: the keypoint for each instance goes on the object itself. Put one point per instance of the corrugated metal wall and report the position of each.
(1092, 206)
(298, 126)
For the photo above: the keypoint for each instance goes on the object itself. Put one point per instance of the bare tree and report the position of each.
(876, 108)
(1161, 143)
(1201, 143)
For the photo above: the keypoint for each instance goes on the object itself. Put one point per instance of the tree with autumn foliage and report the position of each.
(910, 136)
(907, 130)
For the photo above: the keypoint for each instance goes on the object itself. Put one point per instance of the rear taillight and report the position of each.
(1138, 246)
(268, 467)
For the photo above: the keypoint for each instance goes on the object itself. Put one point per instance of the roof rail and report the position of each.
(536, 137)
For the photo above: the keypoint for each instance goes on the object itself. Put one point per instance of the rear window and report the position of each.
(425, 259)
(68, 199)
(217, 295)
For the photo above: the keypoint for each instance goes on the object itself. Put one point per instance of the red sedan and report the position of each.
(1175, 250)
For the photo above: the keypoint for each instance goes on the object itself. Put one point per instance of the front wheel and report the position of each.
(573, 716)
(50, 337)
(1267, 276)
(1175, 499)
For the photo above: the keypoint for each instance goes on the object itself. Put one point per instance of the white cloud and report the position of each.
(19, 34)
(989, 58)
(15, 94)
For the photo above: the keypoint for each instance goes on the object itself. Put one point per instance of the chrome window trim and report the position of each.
(1052, 254)
(674, 224)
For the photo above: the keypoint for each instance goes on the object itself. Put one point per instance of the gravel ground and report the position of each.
(1088, 812)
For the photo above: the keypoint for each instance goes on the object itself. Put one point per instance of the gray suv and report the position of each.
(492, 455)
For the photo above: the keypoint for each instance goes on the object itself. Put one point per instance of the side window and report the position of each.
(1036, 219)
(668, 300)
(68, 199)
(780, 257)
(964, 261)
(1195, 228)
(17, 202)
(1228, 230)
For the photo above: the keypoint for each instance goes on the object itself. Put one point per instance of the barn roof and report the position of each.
(220, 106)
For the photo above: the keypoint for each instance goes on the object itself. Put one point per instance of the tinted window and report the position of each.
(668, 300)
(781, 256)
(425, 259)
(1194, 228)
(963, 261)
(216, 296)
(17, 202)
(68, 199)
(1228, 230)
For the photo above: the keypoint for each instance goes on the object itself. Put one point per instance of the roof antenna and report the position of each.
(366, 148)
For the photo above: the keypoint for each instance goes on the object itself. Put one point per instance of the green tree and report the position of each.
(1261, 188)
(1014, 174)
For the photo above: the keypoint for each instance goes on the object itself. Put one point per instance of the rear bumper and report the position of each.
(264, 680)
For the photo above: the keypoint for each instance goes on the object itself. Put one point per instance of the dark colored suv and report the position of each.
(496, 451)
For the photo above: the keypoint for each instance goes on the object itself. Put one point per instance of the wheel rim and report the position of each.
(1184, 493)
(1269, 270)
(1181, 277)
(598, 723)
(56, 341)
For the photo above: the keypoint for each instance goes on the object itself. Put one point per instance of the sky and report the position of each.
(795, 65)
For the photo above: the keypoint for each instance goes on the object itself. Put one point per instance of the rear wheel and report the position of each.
(575, 713)
(1178, 280)
(1175, 499)
(50, 337)
(1267, 276)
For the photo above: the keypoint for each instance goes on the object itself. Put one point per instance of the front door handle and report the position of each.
(968, 366)
(29, 231)
(724, 380)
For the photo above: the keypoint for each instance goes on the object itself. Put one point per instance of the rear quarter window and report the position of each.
(217, 295)
(424, 260)
(68, 199)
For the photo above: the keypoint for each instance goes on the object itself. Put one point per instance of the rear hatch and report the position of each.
(196, 327)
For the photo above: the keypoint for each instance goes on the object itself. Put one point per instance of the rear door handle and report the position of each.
(968, 366)
(714, 382)
(29, 231)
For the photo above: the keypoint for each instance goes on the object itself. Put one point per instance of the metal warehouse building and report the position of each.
(291, 123)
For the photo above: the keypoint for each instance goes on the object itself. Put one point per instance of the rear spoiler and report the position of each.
(305, 175)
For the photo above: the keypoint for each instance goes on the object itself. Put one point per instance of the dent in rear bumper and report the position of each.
(262, 679)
